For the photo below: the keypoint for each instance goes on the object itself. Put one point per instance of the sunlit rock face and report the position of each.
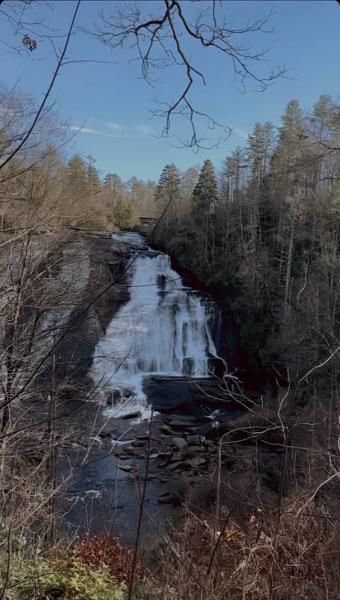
(164, 329)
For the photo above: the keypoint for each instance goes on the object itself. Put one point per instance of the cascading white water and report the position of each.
(163, 329)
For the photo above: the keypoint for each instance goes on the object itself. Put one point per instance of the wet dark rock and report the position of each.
(149, 477)
(183, 420)
(139, 443)
(123, 456)
(180, 443)
(127, 468)
(166, 498)
(167, 430)
(120, 248)
(200, 449)
(148, 252)
(176, 456)
(193, 440)
(189, 452)
(161, 282)
(163, 464)
(228, 462)
(178, 423)
(188, 365)
(132, 415)
(198, 461)
(112, 397)
(169, 394)
(217, 366)
(176, 465)
(195, 477)
(165, 455)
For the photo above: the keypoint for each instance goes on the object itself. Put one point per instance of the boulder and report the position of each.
(127, 468)
(198, 461)
(132, 415)
(193, 440)
(112, 397)
(167, 430)
(180, 443)
(165, 498)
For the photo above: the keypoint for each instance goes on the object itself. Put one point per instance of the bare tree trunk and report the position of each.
(289, 263)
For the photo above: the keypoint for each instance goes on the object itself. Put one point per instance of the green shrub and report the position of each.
(62, 579)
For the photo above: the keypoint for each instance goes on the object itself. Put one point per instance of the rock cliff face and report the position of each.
(58, 295)
(91, 283)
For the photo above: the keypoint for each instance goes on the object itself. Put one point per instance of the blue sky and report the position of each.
(108, 105)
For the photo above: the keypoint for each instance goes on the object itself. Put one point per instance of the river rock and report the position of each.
(190, 452)
(194, 440)
(167, 430)
(112, 397)
(198, 461)
(139, 443)
(123, 456)
(165, 498)
(176, 465)
(165, 455)
(162, 464)
(149, 477)
(127, 468)
(183, 422)
(149, 252)
(132, 415)
(181, 443)
(227, 462)
(176, 456)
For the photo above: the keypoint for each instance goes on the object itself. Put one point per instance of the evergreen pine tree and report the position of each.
(168, 192)
(259, 148)
(93, 180)
(124, 214)
(205, 193)
(288, 168)
(76, 178)
(76, 170)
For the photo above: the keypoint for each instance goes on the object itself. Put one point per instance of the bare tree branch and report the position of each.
(48, 92)
(164, 40)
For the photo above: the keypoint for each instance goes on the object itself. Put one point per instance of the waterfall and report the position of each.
(164, 329)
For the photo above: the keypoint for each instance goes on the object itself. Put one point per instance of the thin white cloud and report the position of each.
(88, 130)
(144, 130)
(240, 132)
(116, 126)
